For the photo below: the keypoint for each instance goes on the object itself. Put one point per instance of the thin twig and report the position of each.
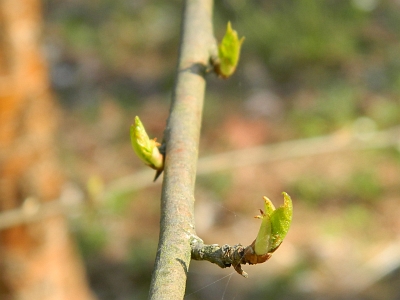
(267, 153)
(218, 162)
(372, 271)
(226, 256)
(35, 210)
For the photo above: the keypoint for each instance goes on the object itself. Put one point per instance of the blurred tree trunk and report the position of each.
(38, 260)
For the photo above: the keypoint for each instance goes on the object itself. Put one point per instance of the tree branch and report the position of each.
(182, 139)
(223, 256)
(226, 256)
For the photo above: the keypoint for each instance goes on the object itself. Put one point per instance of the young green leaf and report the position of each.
(268, 206)
(280, 222)
(263, 240)
(274, 226)
(145, 148)
(228, 53)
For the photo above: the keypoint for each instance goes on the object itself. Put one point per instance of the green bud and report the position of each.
(274, 226)
(228, 52)
(145, 148)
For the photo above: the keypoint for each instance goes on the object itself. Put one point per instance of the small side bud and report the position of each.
(145, 148)
(228, 53)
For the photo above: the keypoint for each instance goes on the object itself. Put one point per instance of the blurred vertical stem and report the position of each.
(182, 139)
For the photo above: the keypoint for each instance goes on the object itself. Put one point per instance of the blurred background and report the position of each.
(313, 110)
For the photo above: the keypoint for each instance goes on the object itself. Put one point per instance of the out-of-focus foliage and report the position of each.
(308, 68)
(315, 40)
(327, 60)
(122, 48)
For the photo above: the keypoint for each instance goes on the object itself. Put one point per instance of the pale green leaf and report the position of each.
(263, 240)
(281, 219)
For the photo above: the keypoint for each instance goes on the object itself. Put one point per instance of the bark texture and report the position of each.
(182, 138)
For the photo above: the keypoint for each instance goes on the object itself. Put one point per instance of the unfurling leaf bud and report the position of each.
(145, 148)
(228, 53)
(274, 226)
